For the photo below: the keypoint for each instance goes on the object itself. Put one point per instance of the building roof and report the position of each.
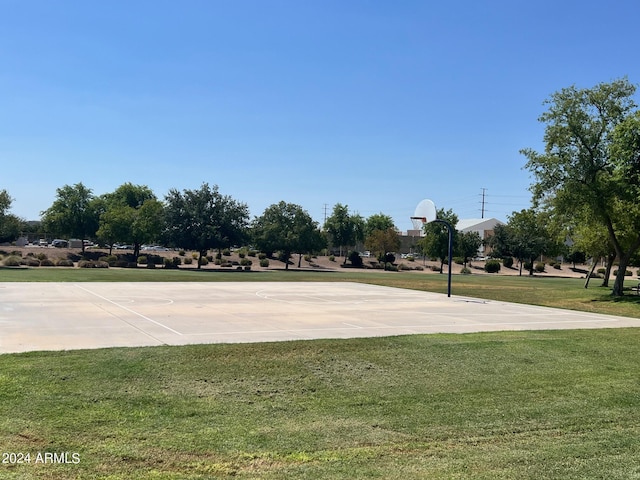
(474, 224)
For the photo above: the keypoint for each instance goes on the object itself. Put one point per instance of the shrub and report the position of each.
(307, 258)
(74, 257)
(403, 267)
(602, 270)
(143, 260)
(436, 268)
(30, 262)
(355, 259)
(110, 259)
(332, 258)
(507, 262)
(194, 255)
(188, 261)
(209, 258)
(46, 263)
(492, 266)
(557, 265)
(527, 265)
(226, 252)
(252, 253)
(181, 253)
(121, 264)
(151, 265)
(218, 256)
(245, 262)
(92, 264)
(465, 271)
(64, 262)
(540, 267)
(242, 254)
(264, 262)
(419, 267)
(41, 256)
(627, 273)
(12, 261)
(174, 262)
(391, 267)
(262, 256)
(204, 261)
(458, 260)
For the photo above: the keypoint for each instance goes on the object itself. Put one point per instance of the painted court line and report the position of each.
(129, 310)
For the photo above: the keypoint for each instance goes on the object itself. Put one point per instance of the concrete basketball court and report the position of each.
(65, 316)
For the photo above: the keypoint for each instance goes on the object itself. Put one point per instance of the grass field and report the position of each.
(561, 404)
(532, 405)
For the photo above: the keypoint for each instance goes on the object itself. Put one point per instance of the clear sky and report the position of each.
(370, 103)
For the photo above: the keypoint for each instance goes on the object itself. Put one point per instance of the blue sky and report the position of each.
(373, 104)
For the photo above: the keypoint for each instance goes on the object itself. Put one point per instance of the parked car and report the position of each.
(59, 243)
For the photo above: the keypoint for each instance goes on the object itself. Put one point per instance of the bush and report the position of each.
(465, 271)
(188, 261)
(507, 262)
(174, 262)
(492, 266)
(527, 265)
(403, 267)
(194, 255)
(92, 264)
(121, 264)
(252, 253)
(264, 262)
(143, 260)
(332, 258)
(46, 263)
(218, 256)
(64, 262)
(30, 262)
(436, 268)
(355, 259)
(110, 259)
(419, 267)
(458, 260)
(12, 261)
(601, 271)
(262, 256)
(181, 253)
(390, 267)
(307, 258)
(557, 265)
(226, 252)
(627, 273)
(242, 254)
(204, 261)
(540, 267)
(245, 262)
(41, 256)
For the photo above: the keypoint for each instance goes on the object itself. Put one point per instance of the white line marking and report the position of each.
(129, 310)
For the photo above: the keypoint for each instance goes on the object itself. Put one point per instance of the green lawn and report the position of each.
(531, 405)
(556, 404)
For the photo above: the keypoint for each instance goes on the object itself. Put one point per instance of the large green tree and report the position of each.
(435, 242)
(10, 225)
(74, 213)
(468, 245)
(381, 242)
(132, 214)
(591, 162)
(204, 219)
(344, 230)
(287, 228)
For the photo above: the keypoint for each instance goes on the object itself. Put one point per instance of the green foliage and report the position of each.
(332, 258)
(507, 262)
(355, 259)
(627, 273)
(458, 260)
(344, 230)
(226, 252)
(540, 267)
(378, 221)
(188, 261)
(143, 259)
(287, 228)
(492, 266)
(64, 262)
(181, 253)
(465, 271)
(245, 262)
(92, 264)
(383, 241)
(30, 262)
(467, 246)
(204, 261)
(435, 243)
(12, 261)
(47, 263)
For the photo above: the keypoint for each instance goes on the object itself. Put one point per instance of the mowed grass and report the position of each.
(554, 404)
(527, 405)
(568, 293)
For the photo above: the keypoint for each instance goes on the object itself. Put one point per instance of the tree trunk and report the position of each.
(199, 260)
(593, 267)
(618, 285)
(610, 259)
(299, 259)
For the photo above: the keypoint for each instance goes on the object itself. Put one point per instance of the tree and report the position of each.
(344, 230)
(435, 242)
(378, 221)
(132, 214)
(468, 245)
(591, 163)
(287, 228)
(381, 242)
(203, 219)
(10, 225)
(74, 213)
(527, 237)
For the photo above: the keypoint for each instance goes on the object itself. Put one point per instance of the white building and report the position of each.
(482, 226)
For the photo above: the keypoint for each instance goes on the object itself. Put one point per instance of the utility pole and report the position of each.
(483, 192)
(325, 214)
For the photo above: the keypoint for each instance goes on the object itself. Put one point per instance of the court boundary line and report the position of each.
(130, 310)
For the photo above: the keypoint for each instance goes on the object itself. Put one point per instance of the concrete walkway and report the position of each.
(64, 316)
